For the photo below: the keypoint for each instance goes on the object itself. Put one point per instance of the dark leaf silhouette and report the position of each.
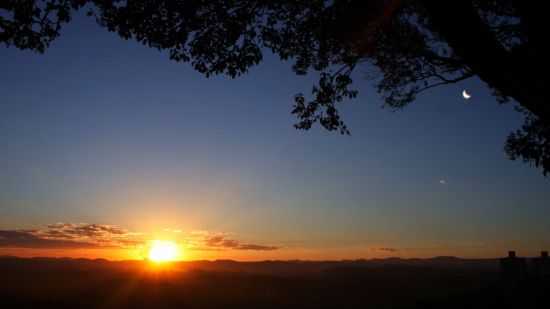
(414, 45)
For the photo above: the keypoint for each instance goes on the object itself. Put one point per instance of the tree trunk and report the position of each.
(471, 39)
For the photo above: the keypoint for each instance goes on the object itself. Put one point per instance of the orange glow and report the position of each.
(163, 251)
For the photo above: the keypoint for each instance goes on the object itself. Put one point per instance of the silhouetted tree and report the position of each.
(415, 46)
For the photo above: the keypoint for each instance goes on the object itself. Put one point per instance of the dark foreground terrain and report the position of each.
(391, 283)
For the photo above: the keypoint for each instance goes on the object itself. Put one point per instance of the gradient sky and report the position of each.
(105, 131)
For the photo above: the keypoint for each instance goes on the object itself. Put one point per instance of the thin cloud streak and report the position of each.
(220, 241)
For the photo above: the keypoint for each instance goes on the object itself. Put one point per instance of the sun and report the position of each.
(163, 251)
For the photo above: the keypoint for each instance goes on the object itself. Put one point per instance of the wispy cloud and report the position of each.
(70, 235)
(28, 239)
(221, 241)
(86, 235)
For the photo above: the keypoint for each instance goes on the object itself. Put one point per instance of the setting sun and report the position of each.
(163, 251)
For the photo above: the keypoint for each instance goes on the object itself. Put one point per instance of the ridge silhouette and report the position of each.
(443, 282)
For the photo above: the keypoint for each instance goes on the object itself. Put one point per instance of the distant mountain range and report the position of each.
(279, 267)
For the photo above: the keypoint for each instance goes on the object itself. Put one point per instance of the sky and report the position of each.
(106, 144)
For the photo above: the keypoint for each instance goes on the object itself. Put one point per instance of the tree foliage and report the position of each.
(415, 46)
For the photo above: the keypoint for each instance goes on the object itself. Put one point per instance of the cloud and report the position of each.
(71, 230)
(256, 247)
(28, 239)
(70, 235)
(387, 249)
(221, 241)
(443, 181)
(86, 235)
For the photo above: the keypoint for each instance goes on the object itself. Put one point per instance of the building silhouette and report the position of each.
(513, 268)
(541, 265)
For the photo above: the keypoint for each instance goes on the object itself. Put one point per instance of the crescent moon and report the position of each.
(465, 94)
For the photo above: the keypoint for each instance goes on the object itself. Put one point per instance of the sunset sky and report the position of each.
(106, 145)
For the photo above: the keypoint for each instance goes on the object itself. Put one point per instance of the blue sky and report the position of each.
(102, 130)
